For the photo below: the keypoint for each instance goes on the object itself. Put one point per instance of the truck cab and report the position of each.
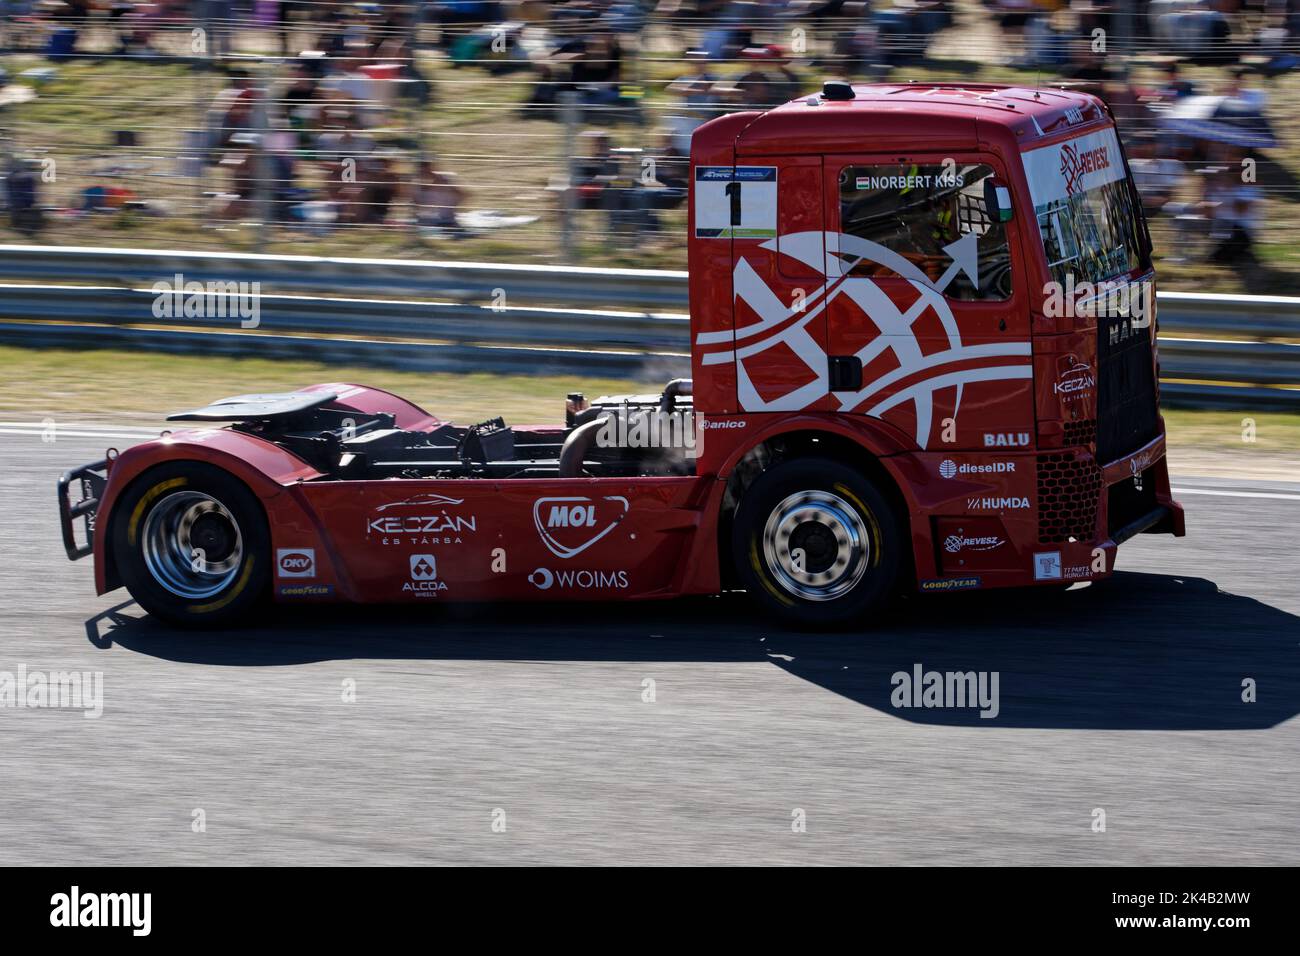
(957, 281)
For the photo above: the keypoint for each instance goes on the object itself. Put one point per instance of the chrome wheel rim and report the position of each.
(816, 545)
(192, 545)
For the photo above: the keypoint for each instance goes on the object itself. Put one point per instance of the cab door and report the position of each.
(927, 317)
(778, 277)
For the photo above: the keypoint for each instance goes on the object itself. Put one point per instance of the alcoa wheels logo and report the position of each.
(423, 567)
(569, 526)
(424, 577)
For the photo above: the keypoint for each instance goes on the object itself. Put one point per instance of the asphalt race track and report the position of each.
(1123, 696)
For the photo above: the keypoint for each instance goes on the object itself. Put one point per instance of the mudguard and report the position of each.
(264, 467)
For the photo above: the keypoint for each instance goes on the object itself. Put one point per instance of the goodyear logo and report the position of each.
(951, 584)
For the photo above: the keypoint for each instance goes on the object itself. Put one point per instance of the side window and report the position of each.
(917, 209)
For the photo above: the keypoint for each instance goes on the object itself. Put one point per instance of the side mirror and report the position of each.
(997, 201)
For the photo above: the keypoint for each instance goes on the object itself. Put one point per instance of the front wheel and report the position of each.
(817, 543)
(191, 544)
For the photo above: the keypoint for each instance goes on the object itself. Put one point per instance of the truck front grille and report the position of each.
(1082, 432)
(1127, 401)
(1069, 489)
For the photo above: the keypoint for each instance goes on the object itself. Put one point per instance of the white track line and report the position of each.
(1236, 494)
(72, 430)
(96, 431)
(83, 426)
(65, 434)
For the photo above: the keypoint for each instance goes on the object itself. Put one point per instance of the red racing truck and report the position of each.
(923, 358)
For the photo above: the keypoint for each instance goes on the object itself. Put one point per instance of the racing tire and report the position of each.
(817, 544)
(191, 544)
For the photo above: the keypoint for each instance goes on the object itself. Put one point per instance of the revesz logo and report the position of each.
(295, 562)
(569, 526)
(73, 909)
(958, 542)
(1076, 165)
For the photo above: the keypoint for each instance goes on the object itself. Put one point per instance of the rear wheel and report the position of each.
(191, 544)
(817, 543)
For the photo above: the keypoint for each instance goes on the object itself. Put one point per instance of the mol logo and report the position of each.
(569, 526)
(295, 562)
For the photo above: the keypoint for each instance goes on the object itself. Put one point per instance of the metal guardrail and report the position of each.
(459, 281)
(1216, 350)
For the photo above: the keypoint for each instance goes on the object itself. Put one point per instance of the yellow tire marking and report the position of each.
(133, 529)
(762, 576)
(871, 520)
(221, 602)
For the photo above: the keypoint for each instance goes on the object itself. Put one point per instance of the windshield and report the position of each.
(1087, 218)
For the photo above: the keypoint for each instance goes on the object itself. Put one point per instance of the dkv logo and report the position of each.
(569, 526)
(295, 562)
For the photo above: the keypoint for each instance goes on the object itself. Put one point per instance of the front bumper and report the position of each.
(1137, 498)
(90, 481)
(1133, 497)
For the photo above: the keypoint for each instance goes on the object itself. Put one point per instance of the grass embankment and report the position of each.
(118, 386)
(121, 386)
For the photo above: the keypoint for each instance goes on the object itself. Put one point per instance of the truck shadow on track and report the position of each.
(1138, 652)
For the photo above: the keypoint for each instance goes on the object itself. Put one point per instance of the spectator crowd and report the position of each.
(323, 128)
